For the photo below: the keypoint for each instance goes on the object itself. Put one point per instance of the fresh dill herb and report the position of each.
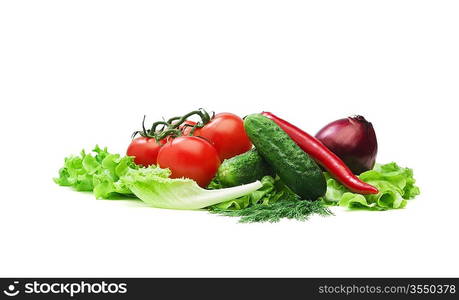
(299, 210)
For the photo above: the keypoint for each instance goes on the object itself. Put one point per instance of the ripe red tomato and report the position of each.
(145, 150)
(226, 132)
(190, 157)
(187, 129)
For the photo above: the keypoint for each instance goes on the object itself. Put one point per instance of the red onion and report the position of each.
(353, 140)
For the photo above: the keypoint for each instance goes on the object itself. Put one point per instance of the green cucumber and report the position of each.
(294, 166)
(242, 169)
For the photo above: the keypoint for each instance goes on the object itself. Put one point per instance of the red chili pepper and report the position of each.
(332, 163)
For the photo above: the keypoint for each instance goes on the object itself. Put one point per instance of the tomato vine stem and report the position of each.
(172, 127)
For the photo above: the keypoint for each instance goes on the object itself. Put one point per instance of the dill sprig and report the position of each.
(299, 210)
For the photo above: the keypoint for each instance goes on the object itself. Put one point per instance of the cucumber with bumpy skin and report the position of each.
(242, 169)
(294, 166)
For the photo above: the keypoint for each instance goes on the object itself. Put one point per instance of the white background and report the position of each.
(78, 73)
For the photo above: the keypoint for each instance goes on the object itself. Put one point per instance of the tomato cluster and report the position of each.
(198, 152)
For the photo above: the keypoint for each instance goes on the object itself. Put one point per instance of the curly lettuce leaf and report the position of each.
(154, 188)
(261, 195)
(396, 186)
(272, 190)
(98, 172)
(109, 175)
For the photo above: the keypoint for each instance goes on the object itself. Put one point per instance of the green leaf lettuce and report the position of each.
(110, 175)
(159, 191)
(396, 186)
(272, 190)
(99, 172)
